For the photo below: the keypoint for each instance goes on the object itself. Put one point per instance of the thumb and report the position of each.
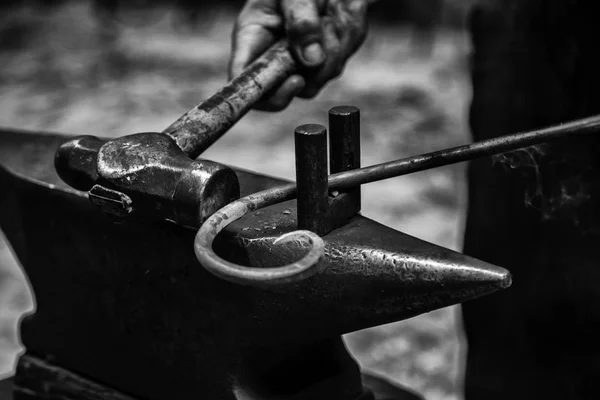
(304, 30)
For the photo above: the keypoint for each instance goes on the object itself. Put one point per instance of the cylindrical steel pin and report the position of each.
(311, 177)
(344, 143)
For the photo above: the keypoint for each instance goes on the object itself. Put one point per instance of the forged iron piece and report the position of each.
(112, 299)
(232, 272)
(349, 179)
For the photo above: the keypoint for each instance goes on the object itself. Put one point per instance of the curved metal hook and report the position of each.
(240, 274)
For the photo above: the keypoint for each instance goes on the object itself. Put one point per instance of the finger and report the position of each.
(351, 25)
(283, 95)
(332, 67)
(344, 30)
(258, 26)
(304, 30)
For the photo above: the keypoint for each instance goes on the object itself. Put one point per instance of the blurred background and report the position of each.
(110, 68)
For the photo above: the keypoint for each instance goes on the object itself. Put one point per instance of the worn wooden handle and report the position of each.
(201, 126)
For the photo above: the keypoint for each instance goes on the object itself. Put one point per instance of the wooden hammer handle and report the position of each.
(201, 126)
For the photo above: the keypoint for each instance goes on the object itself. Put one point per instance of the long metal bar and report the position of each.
(489, 147)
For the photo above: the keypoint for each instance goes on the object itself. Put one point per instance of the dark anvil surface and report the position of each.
(130, 305)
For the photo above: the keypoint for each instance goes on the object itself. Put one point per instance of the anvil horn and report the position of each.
(371, 274)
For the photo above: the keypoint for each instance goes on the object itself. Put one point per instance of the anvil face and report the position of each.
(115, 298)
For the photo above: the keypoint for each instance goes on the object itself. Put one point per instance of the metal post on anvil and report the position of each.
(344, 146)
(311, 177)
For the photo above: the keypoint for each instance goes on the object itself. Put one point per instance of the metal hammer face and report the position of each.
(146, 175)
(152, 175)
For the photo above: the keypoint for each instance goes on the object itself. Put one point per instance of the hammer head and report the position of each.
(146, 175)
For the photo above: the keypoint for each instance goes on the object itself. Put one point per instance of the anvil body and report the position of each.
(129, 305)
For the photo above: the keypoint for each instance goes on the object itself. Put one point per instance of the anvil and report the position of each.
(128, 305)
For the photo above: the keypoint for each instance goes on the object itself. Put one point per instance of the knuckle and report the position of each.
(350, 20)
(357, 7)
(258, 12)
(338, 70)
(360, 24)
(354, 26)
(302, 28)
(361, 36)
(247, 10)
(264, 9)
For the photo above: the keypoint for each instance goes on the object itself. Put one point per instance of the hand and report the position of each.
(323, 35)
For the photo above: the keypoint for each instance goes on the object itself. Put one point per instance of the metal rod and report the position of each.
(311, 177)
(502, 144)
(344, 138)
(344, 144)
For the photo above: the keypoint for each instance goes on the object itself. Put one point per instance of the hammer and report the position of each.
(155, 176)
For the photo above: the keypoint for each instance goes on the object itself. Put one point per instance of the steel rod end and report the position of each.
(344, 110)
(310, 130)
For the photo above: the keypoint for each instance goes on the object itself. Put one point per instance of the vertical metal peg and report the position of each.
(311, 177)
(344, 144)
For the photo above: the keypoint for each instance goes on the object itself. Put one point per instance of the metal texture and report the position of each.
(311, 177)
(76, 161)
(146, 176)
(113, 299)
(204, 124)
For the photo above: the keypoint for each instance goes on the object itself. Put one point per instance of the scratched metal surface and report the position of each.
(75, 75)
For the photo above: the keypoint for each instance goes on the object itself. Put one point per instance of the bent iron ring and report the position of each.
(229, 271)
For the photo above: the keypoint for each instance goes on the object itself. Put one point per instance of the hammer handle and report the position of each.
(201, 126)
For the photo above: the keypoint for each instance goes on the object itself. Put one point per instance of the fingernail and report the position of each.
(313, 53)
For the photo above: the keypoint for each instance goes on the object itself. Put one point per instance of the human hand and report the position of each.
(322, 35)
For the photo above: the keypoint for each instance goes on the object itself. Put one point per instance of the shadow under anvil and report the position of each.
(129, 305)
